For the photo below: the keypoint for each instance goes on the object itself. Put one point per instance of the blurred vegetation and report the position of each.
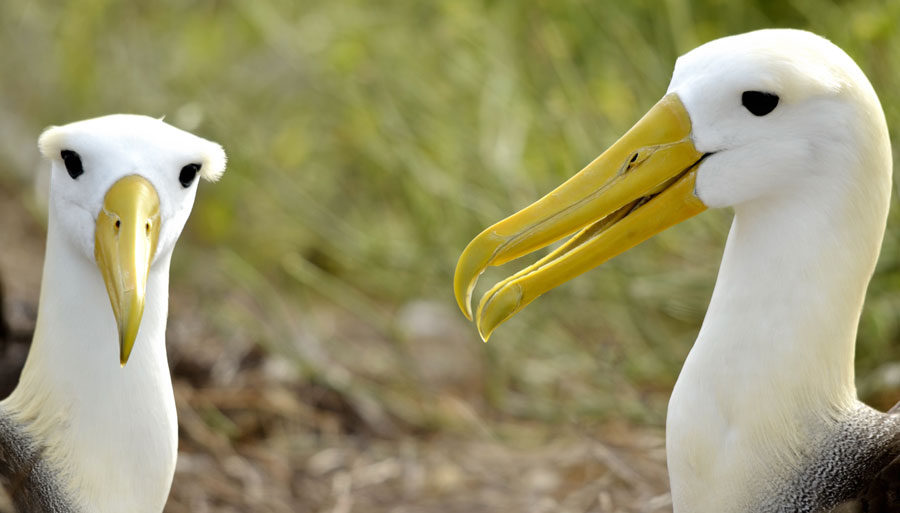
(368, 142)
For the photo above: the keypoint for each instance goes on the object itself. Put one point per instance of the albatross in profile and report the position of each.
(784, 128)
(83, 431)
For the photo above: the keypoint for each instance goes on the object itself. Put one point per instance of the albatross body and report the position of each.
(783, 127)
(92, 426)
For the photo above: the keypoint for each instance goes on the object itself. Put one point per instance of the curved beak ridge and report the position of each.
(125, 241)
(638, 187)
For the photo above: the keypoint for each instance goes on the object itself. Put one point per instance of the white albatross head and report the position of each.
(815, 109)
(121, 189)
(769, 119)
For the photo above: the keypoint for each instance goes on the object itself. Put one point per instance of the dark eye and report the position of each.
(72, 162)
(187, 175)
(758, 102)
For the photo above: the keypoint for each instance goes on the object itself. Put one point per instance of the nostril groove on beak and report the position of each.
(148, 226)
(118, 224)
(631, 162)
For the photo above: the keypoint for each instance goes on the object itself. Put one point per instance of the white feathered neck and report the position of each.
(110, 432)
(771, 373)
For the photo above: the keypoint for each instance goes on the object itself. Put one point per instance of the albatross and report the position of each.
(91, 426)
(784, 128)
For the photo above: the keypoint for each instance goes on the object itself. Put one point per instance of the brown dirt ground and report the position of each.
(256, 439)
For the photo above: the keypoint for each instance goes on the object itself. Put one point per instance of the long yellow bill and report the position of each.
(640, 186)
(124, 244)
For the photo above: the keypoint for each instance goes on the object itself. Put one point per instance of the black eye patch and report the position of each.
(758, 102)
(72, 162)
(188, 174)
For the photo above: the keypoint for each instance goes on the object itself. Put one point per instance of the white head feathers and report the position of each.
(131, 129)
(109, 148)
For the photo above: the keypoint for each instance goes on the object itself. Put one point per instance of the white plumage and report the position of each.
(783, 127)
(107, 434)
(771, 371)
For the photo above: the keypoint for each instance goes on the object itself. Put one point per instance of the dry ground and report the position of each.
(255, 437)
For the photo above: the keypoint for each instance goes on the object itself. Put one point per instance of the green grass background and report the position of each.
(369, 141)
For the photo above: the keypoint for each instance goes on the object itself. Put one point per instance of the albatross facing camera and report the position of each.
(783, 127)
(92, 424)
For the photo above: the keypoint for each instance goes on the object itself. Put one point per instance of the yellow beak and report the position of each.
(637, 188)
(124, 244)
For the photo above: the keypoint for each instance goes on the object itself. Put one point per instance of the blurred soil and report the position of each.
(256, 437)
